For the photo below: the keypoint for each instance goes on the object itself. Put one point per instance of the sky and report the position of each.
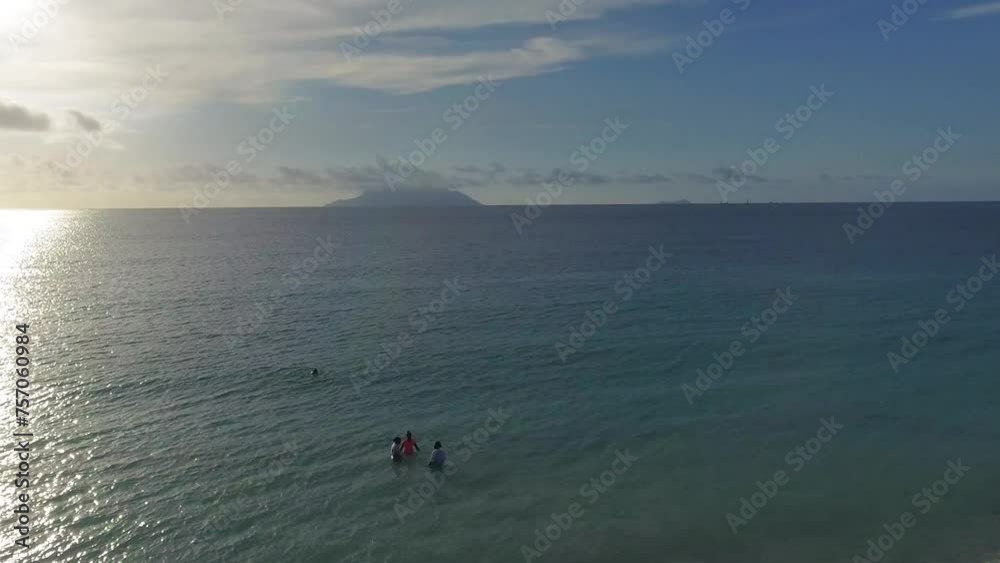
(202, 103)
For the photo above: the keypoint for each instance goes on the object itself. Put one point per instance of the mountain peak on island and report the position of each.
(407, 198)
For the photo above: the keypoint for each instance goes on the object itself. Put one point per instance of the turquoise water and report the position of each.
(177, 421)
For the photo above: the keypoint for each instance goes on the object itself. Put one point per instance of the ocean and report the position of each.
(671, 383)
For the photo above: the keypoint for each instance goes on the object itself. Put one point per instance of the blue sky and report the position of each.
(218, 72)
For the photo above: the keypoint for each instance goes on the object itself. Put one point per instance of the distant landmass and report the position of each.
(407, 198)
(675, 202)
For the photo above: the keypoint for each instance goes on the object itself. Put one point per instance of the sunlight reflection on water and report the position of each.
(22, 234)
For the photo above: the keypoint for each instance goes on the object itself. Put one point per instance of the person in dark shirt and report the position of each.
(395, 451)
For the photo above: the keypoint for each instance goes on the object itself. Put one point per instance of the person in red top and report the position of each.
(409, 444)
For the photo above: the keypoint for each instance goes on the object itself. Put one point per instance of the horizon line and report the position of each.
(514, 205)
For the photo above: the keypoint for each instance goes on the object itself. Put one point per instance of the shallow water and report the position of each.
(178, 420)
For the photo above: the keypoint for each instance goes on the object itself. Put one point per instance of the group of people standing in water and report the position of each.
(409, 447)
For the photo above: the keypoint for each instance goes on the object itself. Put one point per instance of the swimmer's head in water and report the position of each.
(408, 435)
(396, 440)
(437, 445)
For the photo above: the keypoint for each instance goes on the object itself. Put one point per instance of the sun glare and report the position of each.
(15, 13)
(21, 234)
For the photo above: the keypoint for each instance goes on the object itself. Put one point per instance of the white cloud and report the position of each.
(407, 74)
(94, 53)
(975, 11)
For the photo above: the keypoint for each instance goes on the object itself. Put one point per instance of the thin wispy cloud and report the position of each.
(974, 11)
(260, 52)
(402, 73)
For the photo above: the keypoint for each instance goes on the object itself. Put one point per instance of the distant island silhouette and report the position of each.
(675, 202)
(408, 198)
